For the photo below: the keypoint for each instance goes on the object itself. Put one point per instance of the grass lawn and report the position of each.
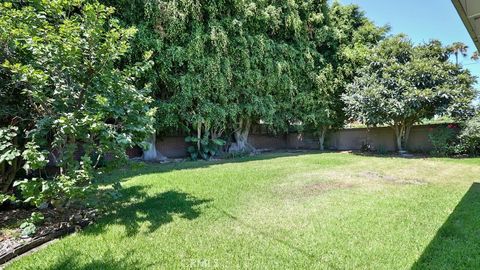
(284, 211)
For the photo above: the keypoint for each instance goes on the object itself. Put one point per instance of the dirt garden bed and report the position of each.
(57, 223)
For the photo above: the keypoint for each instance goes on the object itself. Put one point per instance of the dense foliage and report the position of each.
(454, 140)
(319, 106)
(405, 83)
(222, 66)
(444, 140)
(64, 101)
(470, 136)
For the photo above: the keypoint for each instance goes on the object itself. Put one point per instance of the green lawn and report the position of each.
(284, 211)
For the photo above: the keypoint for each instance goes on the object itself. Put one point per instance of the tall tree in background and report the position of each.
(320, 105)
(404, 84)
(458, 48)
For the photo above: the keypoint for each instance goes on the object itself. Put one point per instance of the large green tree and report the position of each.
(319, 105)
(63, 98)
(221, 66)
(406, 83)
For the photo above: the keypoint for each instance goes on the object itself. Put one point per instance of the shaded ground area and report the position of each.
(54, 220)
(156, 210)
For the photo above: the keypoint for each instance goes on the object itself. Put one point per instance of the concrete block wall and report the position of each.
(344, 139)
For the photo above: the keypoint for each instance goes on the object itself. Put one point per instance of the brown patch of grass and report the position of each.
(391, 178)
(326, 186)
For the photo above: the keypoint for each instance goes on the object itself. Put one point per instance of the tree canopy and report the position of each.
(405, 83)
(319, 106)
(222, 66)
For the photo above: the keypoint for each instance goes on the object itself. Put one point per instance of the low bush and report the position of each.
(444, 140)
(29, 227)
(470, 136)
(204, 148)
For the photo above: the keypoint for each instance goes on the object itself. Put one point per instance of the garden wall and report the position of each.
(381, 138)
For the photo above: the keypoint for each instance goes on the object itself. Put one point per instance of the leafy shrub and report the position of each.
(64, 95)
(9, 162)
(59, 191)
(470, 136)
(29, 227)
(444, 140)
(366, 147)
(204, 147)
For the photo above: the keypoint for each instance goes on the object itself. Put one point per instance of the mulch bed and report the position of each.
(57, 223)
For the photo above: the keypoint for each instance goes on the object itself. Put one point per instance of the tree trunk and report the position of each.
(241, 138)
(323, 132)
(402, 133)
(398, 138)
(8, 173)
(151, 154)
(199, 136)
(407, 135)
(216, 133)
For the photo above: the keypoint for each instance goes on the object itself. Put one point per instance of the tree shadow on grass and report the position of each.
(155, 210)
(107, 262)
(457, 243)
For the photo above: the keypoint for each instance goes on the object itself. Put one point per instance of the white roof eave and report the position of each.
(469, 11)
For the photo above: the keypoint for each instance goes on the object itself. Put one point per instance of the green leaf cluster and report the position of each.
(66, 97)
(204, 147)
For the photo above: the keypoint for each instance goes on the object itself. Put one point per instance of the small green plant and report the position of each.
(204, 148)
(115, 193)
(29, 227)
(6, 197)
(366, 147)
(37, 218)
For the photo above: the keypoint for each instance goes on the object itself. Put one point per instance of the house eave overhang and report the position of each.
(469, 11)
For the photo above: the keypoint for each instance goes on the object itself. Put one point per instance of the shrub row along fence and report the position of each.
(379, 139)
